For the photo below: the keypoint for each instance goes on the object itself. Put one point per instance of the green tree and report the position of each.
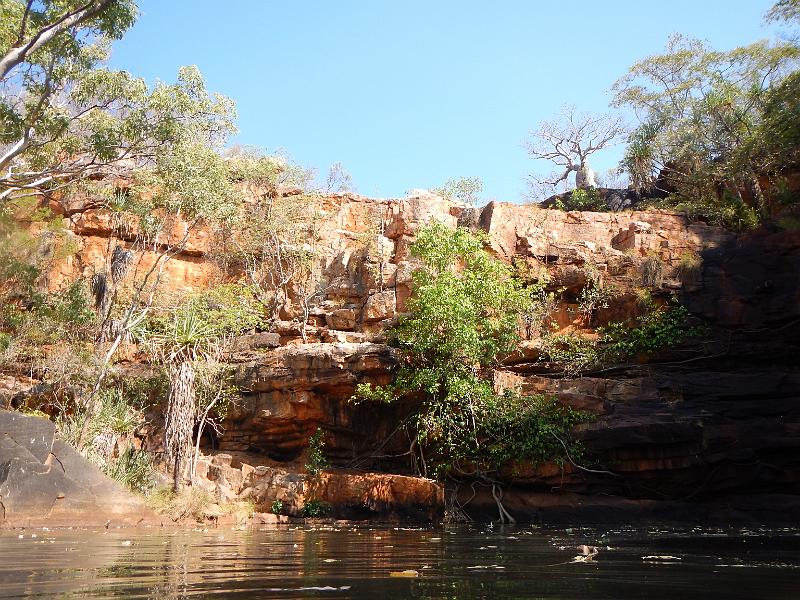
(463, 189)
(66, 117)
(702, 115)
(185, 341)
(464, 316)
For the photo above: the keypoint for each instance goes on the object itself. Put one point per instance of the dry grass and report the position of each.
(651, 271)
(199, 505)
(689, 266)
(191, 502)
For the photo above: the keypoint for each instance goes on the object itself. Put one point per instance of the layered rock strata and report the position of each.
(703, 424)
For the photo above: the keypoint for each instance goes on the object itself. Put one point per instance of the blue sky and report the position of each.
(409, 94)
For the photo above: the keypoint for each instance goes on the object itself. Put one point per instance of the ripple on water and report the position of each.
(395, 562)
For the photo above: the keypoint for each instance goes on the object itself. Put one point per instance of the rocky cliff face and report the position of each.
(715, 422)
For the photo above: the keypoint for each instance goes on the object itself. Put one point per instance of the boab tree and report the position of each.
(568, 141)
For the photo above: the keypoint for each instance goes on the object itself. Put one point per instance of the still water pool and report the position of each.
(387, 562)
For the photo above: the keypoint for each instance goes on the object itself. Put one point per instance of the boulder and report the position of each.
(380, 306)
(43, 481)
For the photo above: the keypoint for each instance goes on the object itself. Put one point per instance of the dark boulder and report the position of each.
(43, 481)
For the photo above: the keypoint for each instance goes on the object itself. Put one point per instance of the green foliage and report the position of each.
(463, 189)
(728, 212)
(464, 315)
(574, 353)
(29, 316)
(113, 417)
(316, 462)
(460, 316)
(594, 296)
(656, 330)
(134, 469)
(230, 309)
(200, 321)
(713, 121)
(659, 328)
(276, 507)
(184, 335)
(587, 199)
(316, 508)
(70, 118)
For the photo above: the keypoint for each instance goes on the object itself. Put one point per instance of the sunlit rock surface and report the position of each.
(699, 424)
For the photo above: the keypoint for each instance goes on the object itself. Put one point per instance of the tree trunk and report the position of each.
(180, 416)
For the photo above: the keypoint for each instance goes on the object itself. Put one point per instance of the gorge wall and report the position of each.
(706, 430)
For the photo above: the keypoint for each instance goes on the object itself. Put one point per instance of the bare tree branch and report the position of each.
(569, 140)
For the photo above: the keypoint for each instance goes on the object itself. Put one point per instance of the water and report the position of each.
(396, 562)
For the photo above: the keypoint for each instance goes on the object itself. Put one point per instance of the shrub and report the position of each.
(316, 453)
(658, 329)
(276, 507)
(730, 213)
(463, 189)
(594, 296)
(586, 199)
(134, 469)
(316, 508)
(464, 315)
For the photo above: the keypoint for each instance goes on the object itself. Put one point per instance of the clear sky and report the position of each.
(407, 94)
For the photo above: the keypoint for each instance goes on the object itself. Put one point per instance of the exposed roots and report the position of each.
(497, 494)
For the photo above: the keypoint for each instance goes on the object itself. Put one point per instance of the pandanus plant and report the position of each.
(187, 340)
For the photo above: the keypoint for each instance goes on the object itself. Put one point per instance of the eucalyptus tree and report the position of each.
(66, 117)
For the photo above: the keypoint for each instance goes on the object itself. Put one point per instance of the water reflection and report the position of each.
(396, 562)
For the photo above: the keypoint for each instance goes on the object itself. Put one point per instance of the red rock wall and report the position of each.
(721, 418)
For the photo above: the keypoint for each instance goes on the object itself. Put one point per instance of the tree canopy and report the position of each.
(705, 116)
(66, 117)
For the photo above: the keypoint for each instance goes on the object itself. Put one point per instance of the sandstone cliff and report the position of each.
(711, 427)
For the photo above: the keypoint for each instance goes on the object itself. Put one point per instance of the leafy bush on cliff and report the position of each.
(463, 317)
(659, 328)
